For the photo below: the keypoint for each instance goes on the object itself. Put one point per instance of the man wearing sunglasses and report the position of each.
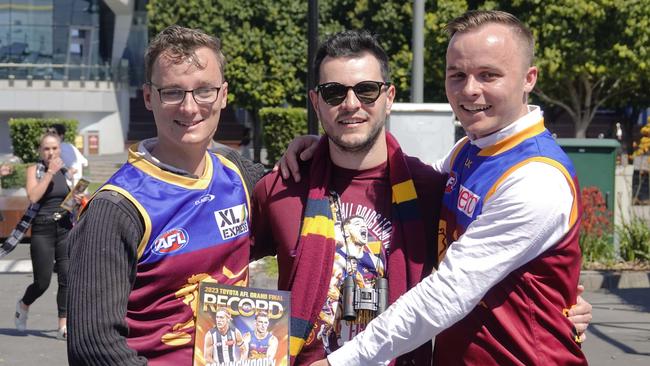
(173, 215)
(358, 171)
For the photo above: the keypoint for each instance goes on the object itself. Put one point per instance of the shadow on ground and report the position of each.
(637, 297)
(50, 333)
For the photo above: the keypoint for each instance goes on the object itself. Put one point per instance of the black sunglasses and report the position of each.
(335, 93)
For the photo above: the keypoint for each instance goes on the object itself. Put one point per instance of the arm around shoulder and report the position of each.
(251, 171)
(262, 231)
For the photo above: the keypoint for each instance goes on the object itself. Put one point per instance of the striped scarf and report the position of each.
(25, 222)
(314, 259)
(18, 233)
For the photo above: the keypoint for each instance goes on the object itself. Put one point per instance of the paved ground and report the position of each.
(620, 331)
(619, 334)
(37, 346)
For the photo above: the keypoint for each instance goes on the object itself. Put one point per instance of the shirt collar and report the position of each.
(533, 116)
(144, 149)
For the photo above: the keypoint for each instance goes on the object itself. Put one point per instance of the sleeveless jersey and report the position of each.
(54, 194)
(520, 320)
(257, 348)
(195, 229)
(223, 346)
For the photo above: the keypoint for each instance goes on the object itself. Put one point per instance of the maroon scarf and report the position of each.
(312, 267)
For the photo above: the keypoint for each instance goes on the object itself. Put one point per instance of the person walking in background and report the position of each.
(72, 157)
(5, 169)
(48, 185)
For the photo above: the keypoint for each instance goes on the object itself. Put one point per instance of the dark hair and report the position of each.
(351, 43)
(179, 44)
(476, 18)
(59, 128)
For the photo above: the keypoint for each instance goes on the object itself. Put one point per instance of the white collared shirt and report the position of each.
(528, 214)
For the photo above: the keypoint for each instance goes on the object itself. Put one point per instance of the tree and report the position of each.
(438, 14)
(591, 54)
(265, 41)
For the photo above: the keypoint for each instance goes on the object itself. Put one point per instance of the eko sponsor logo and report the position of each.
(467, 201)
(232, 221)
(171, 241)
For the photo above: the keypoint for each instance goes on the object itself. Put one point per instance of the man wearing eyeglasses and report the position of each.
(358, 170)
(173, 215)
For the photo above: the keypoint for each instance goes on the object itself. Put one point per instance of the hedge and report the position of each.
(17, 178)
(25, 132)
(281, 125)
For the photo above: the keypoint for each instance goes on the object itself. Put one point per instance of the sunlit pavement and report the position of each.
(618, 335)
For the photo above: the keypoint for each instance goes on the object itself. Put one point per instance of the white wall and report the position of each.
(424, 130)
(112, 130)
(97, 107)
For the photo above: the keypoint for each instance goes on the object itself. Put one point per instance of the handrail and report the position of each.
(32, 71)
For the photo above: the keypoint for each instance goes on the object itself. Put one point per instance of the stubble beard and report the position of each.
(361, 147)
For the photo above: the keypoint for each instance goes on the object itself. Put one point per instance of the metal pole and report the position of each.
(417, 76)
(312, 45)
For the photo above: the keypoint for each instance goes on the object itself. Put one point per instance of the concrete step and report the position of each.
(102, 167)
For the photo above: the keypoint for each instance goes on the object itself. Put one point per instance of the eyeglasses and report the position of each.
(175, 96)
(335, 93)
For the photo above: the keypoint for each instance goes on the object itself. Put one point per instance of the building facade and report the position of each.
(70, 59)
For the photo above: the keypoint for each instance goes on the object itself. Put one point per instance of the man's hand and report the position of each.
(322, 362)
(580, 314)
(302, 147)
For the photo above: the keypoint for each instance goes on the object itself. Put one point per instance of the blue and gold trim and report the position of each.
(138, 161)
(574, 206)
(141, 210)
(511, 141)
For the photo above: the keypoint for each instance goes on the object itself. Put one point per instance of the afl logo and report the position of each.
(171, 241)
(451, 182)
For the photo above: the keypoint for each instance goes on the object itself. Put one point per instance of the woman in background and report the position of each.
(48, 185)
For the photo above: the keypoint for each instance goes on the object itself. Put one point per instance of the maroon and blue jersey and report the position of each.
(257, 348)
(520, 320)
(476, 173)
(195, 229)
